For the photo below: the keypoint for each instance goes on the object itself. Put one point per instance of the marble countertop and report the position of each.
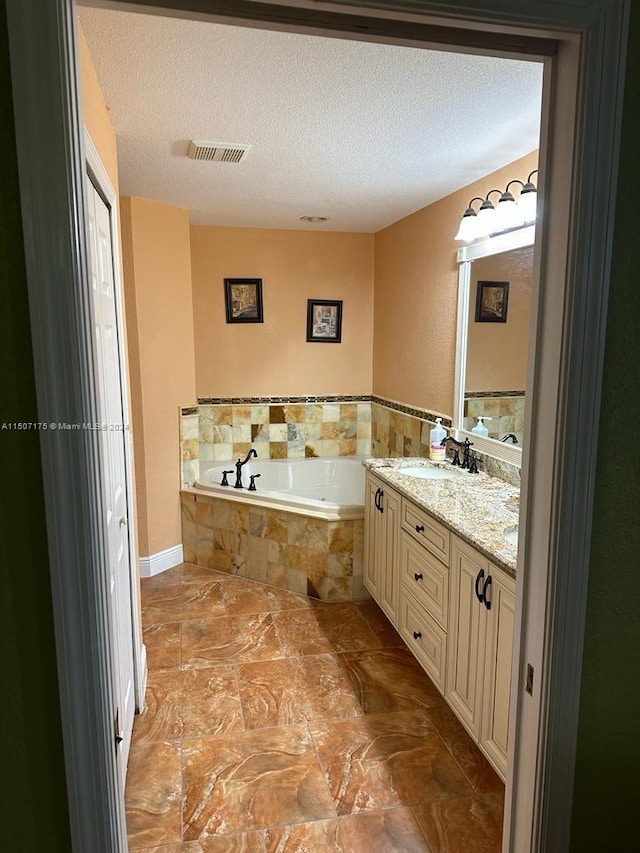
(476, 507)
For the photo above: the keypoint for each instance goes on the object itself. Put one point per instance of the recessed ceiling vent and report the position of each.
(217, 152)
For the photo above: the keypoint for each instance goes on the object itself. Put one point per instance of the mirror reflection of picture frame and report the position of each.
(324, 321)
(492, 298)
(243, 300)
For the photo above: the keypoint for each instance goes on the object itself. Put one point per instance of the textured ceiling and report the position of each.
(361, 133)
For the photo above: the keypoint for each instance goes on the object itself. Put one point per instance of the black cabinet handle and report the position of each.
(417, 635)
(480, 595)
(375, 500)
(485, 590)
(419, 528)
(380, 507)
(417, 576)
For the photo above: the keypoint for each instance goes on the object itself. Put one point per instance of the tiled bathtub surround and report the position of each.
(506, 410)
(322, 559)
(276, 428)
(190, 445)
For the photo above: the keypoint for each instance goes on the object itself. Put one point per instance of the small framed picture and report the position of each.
(243, 300)
(491, 301)
(324, 321)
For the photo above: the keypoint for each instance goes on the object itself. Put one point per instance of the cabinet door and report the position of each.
(389, 577)
(372, 536)
(496, 697)
(466, 635)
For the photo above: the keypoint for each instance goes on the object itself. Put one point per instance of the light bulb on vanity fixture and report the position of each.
(508, 214)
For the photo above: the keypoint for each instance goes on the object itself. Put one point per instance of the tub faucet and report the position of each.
(510, 437)
(239, 464)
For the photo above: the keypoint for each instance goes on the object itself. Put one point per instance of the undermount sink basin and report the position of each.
(431, 473)
(512, 537)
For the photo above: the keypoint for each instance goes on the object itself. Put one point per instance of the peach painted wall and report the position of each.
(416, 286)
(95, 112)
(497, 352)
(273, 358)
(157, 275)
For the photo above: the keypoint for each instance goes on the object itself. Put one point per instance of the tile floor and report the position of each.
(277, 724)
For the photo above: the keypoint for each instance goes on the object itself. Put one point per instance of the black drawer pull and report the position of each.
(479, 595)
(417, 576)
(419, 528)
(485, 590)
(417, 635)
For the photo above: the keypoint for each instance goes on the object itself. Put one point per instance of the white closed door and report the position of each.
(112, 447)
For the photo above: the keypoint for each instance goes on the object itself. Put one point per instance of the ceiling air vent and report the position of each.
(217, 152)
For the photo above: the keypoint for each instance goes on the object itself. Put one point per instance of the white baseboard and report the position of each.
(160, 562)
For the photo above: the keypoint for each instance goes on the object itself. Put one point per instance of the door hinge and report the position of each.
(529, 683)
(116, 730)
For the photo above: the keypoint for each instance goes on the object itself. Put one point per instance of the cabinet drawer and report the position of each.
(427, 530)
(426, 577)
(424, 637)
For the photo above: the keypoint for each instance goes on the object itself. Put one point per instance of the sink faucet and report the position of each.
(510, 436)
(466, 444)
(239, 464)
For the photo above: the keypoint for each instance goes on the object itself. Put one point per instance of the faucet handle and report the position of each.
(252, 484)
(225, 482)
(473, 465)
(456, 457)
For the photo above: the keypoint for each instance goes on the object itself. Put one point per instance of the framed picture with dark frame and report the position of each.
(492, 298)
(324, 321)
(243, 300)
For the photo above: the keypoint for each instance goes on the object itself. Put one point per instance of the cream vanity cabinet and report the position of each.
(452, 607)
(382, 528)
(481, 618)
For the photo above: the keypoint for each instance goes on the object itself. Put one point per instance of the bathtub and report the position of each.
(327, 488)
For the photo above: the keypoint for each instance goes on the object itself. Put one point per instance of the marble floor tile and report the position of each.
(244, 596)
(153, 792)
(324, 628)
(230, 639)
(294, 690)
(245, 842)
(380, 625)
(463, 825)
(388, 831)
(300, 633)
(387, 767)
(192, 573)
(270, 692)
(252, 780)
(163, 645)
(187, 703)
(390, 680)
(384, 760)
(168, 578)
(473, 763)
(180, 601)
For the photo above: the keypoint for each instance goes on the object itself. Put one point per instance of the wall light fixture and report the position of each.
(505, 215)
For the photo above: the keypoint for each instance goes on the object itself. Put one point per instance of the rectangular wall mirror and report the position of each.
(494, 316)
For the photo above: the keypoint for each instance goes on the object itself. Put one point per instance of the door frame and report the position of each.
(100, 178)
(583, 98)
